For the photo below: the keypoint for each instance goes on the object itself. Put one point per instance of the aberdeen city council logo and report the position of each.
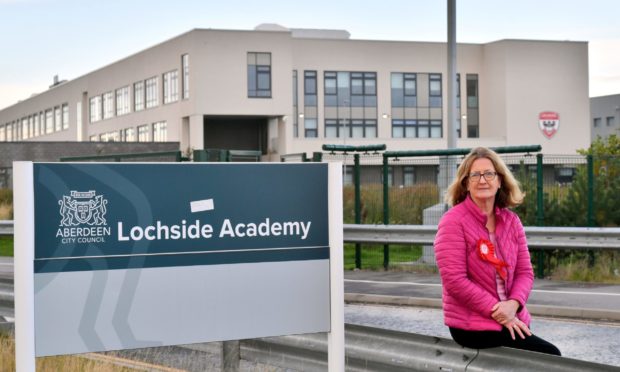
(83, 208)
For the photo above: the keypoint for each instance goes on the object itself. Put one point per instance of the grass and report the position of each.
(56, 363)
(6, 246)
(372, 256)
(603, 267)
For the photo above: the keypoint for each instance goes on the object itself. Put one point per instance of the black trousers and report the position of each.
(488, 339)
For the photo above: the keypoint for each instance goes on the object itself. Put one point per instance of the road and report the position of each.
(545, 292)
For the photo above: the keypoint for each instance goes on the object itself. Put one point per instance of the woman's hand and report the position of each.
(505, 311)
(515, 325)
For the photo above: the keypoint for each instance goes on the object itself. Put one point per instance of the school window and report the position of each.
(185, 73)
(610, 121)
(65, 116)
(404, 89)
(434, 90)
(259, 75)
(408, 176)
(152, 96)
(128, 135)
(416, 128)
(108, 105)
(49, 121)
(473, 123)
(143, 133)
(404, 128)
(310, 105)
(36, 125)
(352, 128)
(24, 129)
(295, 106)
(171, 86)
(138, 96)
(122, 101)
(310, 127)
(160, 131)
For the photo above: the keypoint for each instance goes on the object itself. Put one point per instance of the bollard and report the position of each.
(231, 356)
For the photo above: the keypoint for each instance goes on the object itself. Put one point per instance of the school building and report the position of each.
(283, 91)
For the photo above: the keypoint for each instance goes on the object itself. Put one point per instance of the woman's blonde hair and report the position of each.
(509, 193)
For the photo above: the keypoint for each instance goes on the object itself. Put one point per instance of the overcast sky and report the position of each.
(69, 38)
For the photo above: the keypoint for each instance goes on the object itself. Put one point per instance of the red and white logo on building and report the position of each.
(549, 122)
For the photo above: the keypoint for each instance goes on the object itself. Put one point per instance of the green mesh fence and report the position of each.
(560, 191)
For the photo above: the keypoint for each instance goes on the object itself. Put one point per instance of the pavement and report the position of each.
(548, 297)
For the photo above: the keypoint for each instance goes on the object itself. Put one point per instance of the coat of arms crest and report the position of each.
(82, 207)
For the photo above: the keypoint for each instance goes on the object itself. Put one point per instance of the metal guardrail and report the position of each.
(376, 349)
(6, 227)
(537, 237)
(371, 349)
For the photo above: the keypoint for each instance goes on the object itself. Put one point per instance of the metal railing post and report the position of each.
(540, 202)
(590, 197)
(358, 207)
(231, 356)
(540, 213)
(386, 210)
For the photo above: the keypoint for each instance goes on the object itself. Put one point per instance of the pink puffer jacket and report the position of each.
(469, 286)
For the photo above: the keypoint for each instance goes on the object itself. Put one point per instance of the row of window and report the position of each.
(45, 122)
(156, 132)
(367, 128)
(610, 121)
(350, 100)
(145, 94)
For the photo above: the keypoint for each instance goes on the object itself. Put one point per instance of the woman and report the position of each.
(483, 258)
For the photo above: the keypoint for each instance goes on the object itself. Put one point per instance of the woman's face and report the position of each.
(479, 186)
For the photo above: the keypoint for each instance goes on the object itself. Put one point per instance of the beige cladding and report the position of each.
(517, 80)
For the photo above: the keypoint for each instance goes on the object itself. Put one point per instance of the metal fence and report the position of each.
(408, 188)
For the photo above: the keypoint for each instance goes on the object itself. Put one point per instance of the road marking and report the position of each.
(439, 285)
(393, 283)
(201, 205)
(577, 293)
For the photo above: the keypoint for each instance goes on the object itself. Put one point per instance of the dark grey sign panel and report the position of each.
(137, 255)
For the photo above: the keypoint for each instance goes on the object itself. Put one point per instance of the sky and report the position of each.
(70, 38)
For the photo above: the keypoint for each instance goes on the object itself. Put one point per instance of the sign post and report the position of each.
(121, 256)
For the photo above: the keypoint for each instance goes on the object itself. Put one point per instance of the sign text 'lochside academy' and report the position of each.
(84, 208)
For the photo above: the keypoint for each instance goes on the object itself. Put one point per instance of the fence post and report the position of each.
(590, 191)
(540, 213)
(358, 207)
(590, 198)
(386, 210)
(540, 202)
(231, 356)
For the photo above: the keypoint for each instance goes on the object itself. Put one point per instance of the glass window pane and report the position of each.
(397, 80)
(358, 132)
(369, 87)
